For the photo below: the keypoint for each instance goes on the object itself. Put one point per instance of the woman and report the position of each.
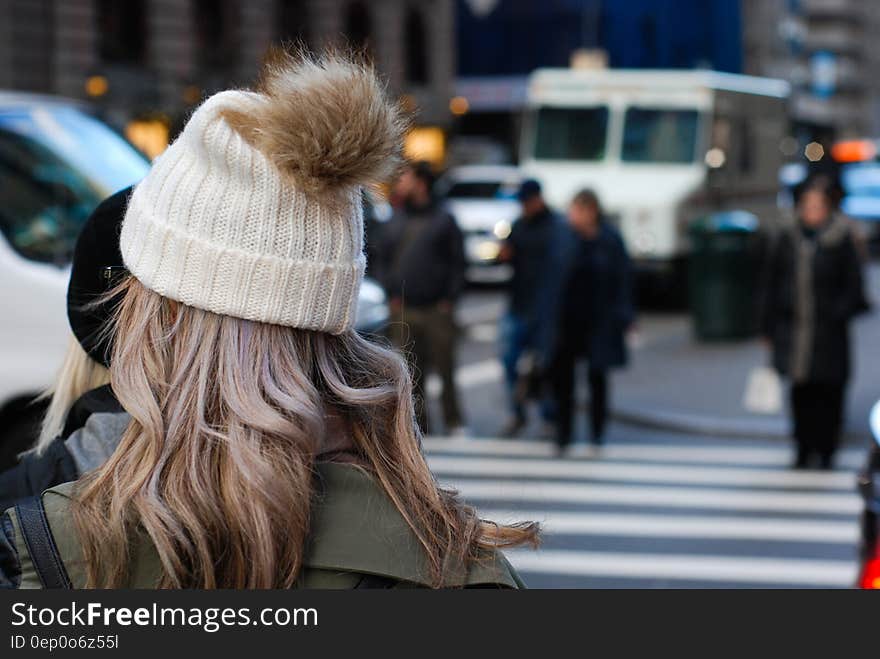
(270, 446)
(595, 312)
(814, 289)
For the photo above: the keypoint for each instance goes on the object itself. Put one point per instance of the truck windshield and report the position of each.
(571, 133)
(56, 165)
(482, 190)
(658, 135)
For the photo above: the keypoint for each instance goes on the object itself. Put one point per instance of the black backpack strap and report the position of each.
(40, 543)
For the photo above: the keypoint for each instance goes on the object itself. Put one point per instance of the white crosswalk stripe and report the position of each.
(771, 455)
(672, 526)
(733, 569)
(615, 472)
(664, 513)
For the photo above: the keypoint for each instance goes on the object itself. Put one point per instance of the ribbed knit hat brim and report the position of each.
(225, 224)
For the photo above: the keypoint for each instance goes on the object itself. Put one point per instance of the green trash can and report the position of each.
(723, 275)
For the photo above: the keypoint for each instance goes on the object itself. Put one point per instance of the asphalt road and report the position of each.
(651, 509)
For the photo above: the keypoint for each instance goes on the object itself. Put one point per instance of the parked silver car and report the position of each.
(482, 198)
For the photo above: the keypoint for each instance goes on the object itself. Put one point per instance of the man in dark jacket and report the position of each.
(595, 311)
(814, 289)
(421, 264)
(534, 243)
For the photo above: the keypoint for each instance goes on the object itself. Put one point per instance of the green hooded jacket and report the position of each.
(356, 532)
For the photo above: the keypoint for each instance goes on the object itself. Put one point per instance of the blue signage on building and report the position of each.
(510, 37)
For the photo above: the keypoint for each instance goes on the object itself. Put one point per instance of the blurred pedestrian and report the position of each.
(595, 312)
(268, 440)
(421, 264)
(814, 288)
(531, 249)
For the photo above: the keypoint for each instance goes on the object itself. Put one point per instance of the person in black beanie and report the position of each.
(87, 429)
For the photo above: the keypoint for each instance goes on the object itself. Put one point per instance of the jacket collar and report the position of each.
(355, 528)
(832, 234)
(835, 232)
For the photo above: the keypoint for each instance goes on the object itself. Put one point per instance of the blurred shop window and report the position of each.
(293, 22)
(122, 31)
(426, 143)
(216, 36)
(416, 47)
(571, 133)
(150, 134)
(31, 50)
(358, 26)
(746, 148)
(655, 135)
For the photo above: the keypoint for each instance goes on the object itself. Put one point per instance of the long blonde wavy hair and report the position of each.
(77, 374)
(216, 466)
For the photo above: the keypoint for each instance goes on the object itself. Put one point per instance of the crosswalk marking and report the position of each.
(725, 500)
(469, 375)
(605, 471)
(778, 455)
(670, 526)
(646, 496)
(750, 570)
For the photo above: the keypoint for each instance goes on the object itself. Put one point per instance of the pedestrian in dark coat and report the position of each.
(420, 261)
(595, 310)
(814, 289)
(532, 249)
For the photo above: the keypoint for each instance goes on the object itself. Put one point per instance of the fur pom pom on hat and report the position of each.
(324, 123)
(255, 210)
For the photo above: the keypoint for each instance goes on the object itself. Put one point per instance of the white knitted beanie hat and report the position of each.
(255, 210)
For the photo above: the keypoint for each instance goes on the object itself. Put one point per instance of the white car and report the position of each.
(482, 198)
(57, 163)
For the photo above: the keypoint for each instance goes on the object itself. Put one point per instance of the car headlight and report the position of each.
(501, 229)
(488, 250)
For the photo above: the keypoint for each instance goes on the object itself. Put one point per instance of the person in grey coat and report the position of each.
(814, 288)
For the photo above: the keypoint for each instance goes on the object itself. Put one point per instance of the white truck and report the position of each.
(660, 148)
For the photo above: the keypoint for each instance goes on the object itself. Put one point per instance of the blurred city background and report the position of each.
(692, 120)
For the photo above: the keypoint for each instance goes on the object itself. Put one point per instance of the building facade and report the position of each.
(828, 50)
(142, 56)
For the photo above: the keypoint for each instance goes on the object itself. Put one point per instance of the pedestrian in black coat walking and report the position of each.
(420, 262)
(814, 288)
(595, 311)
